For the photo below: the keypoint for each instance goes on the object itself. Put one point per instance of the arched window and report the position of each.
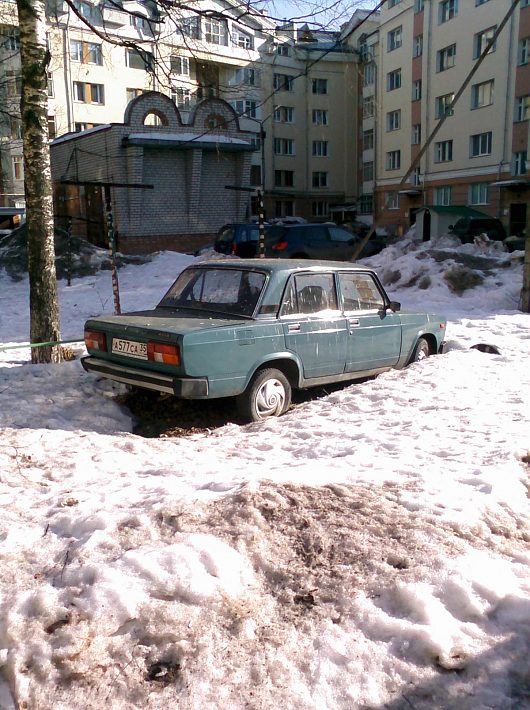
(155, 118)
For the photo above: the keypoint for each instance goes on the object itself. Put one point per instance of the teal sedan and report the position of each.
(257, 329)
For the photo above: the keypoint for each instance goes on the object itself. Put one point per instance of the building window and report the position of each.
(482, 94)
(419, 5)
(94, 55)
(52, 130)
(180, 65)
(181, 97)
(416, 90)
(284, 208)
(415, 178)
(393, 3)
(13, 83)
(284, 114)
(242, 39)
(523, 53)
(51, 88)
(191, 27)
(368, 106)
(366, 205)
(320, 149)
(320, 179)
(447, 9)
(522, 108)
(255, 142)
(139, 59)
(393, 80)
(480, 144)
(442, 196)
(9, 38)
(519, 162)
(443, 151)
(416, 134)
(393, 160)
(87, 10)
(368, 139)
(283, 50)
(255, 175)
(131, 94)
(89, 93)
(369, 74)
(15, 128)
(283, 178)
(319, 208)
(417, 46)
(443, 105)
(393, 120)
(79, 91)
(216, 31)
(481, 41)
(368, 171)
(445, 58)
(479, 193)
(320, 117)
(139, 22)
(76, 50)
(18, 167)
(245, 107)
(283, 146)
(319, 86)
(394, 39)
(283, 82)
(392, 200)
(244, 75)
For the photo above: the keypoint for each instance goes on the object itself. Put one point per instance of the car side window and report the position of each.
(339, 235)
(313, 233)
(310, 293)
(360, 292)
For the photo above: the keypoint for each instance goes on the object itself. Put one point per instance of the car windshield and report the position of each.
(229, 291)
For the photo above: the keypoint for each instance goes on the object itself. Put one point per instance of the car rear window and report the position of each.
(229, 291)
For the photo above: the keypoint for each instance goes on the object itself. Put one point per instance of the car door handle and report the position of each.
(354, 322)
(293, 328)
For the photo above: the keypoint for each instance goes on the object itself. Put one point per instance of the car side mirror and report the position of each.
(394, 306)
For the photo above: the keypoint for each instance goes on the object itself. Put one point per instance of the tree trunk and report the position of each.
(43, 299)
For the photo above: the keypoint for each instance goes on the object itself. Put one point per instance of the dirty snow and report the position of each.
(368, 549)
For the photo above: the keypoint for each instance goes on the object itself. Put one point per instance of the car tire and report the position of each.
(421, 351)
(267, 395)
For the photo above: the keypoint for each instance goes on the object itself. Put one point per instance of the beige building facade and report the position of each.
(477, 155)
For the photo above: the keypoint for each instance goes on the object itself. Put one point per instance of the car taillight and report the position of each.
(280, 246)
(234, 250)
(95, 340)
(159, 352)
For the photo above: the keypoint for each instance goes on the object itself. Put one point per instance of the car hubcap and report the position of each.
(422, 354)
(270, 399)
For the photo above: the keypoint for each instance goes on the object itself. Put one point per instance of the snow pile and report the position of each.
(368, 549)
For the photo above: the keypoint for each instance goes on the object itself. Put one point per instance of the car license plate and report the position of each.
(130, 348)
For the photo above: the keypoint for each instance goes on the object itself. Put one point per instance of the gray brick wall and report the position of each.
(188, 201)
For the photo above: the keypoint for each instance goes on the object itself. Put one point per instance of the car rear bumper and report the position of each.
(185, 387)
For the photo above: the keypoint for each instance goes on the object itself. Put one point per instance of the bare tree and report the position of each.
(44, 304)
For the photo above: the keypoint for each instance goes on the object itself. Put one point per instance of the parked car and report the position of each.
(466, 228)
(239, 239)
(317, 241)
(256, 329)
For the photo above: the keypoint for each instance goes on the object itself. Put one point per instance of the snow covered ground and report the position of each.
(369, 549)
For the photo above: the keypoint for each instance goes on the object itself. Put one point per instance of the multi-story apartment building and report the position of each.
(427, 50)
(93, 76)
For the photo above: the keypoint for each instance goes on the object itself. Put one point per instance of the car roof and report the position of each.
(278, 265)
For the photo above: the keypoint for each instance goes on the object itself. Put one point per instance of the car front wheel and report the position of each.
(268, 395)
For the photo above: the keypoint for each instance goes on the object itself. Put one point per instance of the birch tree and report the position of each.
(44, 304)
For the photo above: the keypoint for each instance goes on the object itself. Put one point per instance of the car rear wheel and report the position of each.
(421, 351)
(268, 395)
